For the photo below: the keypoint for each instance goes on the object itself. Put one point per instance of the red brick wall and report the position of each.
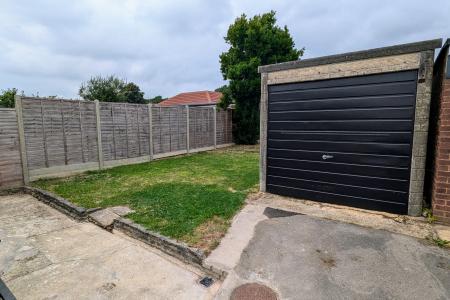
(441, 180)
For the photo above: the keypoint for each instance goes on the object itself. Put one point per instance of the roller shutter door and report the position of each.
(344, 141)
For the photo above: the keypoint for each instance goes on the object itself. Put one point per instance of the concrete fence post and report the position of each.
(187, 128)
(99, 134)
(215, 126)
(150, 130)
(23, 149)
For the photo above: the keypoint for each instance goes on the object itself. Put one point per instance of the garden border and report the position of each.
(179, 250)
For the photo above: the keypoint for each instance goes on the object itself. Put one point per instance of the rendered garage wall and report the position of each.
(389, 59)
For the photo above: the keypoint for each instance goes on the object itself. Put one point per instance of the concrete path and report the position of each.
(304, 257)
(46, 255)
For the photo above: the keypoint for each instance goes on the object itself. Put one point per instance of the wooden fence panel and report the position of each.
(10, 163)
(61, 133)
(89, 130)
(201, 127)
(224, 127)
(35, 135)
(169, 129)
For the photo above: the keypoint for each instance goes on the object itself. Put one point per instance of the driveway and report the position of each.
(303, 257)
(46, 255)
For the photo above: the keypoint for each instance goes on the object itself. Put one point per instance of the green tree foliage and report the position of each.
(7, 97)
(253, 42)
(111, 89)
(226, 96)
(133, 93)
(156, 100)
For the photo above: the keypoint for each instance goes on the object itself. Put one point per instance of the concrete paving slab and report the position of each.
(303, 257)
(11, 205)
(77, 243)
(27, 217)
(66, 259)
(226, 255)
(104, 218)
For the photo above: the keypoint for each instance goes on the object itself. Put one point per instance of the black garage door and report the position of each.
(345, 141)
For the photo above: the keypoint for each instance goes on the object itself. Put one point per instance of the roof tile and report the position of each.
(200, 97)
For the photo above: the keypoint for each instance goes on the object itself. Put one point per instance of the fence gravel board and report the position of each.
(61, 132)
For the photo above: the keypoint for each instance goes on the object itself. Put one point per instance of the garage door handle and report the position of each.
(325, 157)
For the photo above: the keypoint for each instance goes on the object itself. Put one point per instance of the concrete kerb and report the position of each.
(176, 249)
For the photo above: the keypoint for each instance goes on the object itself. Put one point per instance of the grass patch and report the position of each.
(191, 198)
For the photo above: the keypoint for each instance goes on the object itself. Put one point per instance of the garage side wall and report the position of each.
(422, 61)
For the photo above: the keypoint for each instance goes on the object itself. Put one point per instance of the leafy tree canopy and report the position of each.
(111, 89)
(156, 100)
(253, 42)
(7, 97)
(226, 96)
(133, 93)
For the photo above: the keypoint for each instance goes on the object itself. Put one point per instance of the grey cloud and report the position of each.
(173, 46)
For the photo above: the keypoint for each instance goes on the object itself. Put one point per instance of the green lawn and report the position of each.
(191, 198)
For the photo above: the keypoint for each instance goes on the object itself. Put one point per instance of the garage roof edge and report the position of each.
(357, 55)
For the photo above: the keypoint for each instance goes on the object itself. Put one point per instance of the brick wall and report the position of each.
(441, 180)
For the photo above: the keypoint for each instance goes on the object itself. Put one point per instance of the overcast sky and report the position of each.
(168, 47)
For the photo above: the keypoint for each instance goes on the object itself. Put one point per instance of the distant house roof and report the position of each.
(197, 98)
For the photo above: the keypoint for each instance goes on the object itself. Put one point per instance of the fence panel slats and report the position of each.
(10, 163)
(64, 132)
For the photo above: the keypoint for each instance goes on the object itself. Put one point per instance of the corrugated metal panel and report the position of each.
(346, 141)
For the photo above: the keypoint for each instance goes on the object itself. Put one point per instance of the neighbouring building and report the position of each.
(438, 158)
(193, 98)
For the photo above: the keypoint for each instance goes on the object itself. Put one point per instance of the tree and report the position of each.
(133, 93)
(253, 42)
(111, 89)
(156, 99)
(7, 97)
(226, 96)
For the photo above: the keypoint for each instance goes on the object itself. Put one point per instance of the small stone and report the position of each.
(443, 232)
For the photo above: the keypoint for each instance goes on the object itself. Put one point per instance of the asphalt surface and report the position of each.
(303, 257)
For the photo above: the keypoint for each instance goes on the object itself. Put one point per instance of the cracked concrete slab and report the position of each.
(46, 255)
(105, 217)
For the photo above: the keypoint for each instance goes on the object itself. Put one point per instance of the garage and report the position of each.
(349, 129)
